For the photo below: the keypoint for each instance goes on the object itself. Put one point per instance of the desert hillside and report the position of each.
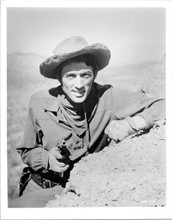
(130, 173)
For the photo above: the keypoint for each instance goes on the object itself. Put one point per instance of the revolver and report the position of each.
(61, 146)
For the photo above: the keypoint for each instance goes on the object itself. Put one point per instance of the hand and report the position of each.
(118, 130)
(57, 162)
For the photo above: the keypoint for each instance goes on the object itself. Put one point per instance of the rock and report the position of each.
(131, 173)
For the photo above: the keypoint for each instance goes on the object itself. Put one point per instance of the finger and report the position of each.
(117, 135)
(55, 152)
(59, 169)
(108, 129)
(55, 162)
(113, 136)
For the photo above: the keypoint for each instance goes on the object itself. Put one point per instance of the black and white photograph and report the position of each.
(86, 108)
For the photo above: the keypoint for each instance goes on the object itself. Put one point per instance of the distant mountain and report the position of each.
(147, 77)
(123, 73)
(24, 68)
(154, 80)
(24, 62)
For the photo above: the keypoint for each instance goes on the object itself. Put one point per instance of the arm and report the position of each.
(154, 112)
(31, 149)
(148, 117)
(32, 152)
(134, 112)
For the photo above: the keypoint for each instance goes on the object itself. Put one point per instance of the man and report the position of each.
(79, 116)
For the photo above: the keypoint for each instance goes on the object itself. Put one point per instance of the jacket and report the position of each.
(52, 117)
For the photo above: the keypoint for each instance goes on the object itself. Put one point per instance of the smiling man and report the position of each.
(78, 117)
(77, 80)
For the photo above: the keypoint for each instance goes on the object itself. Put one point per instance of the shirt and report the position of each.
(52, 118)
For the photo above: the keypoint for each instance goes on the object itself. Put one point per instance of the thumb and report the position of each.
(54, 152)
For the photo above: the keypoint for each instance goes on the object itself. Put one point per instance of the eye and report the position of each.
(70, 76)
(86, 75)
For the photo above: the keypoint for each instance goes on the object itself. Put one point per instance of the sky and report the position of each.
(132, 34)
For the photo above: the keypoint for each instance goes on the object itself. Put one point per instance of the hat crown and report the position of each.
(70, 45)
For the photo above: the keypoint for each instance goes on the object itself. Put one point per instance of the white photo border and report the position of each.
(84, 213)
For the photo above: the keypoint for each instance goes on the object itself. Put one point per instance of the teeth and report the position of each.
(79, 93)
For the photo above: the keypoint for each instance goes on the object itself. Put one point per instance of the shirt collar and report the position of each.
(52, 105)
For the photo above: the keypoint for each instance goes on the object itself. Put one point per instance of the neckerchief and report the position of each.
(77, 115)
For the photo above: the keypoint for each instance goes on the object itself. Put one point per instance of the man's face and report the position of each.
(77, 80)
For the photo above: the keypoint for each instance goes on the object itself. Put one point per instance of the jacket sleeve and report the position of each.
(154, 112)
(31, 149)
(127, 103)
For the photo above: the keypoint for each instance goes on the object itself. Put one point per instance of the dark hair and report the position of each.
(89, 60)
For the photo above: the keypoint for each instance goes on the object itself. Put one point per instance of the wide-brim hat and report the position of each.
(73, 47)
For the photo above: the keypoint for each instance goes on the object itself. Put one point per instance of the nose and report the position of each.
(78, 82)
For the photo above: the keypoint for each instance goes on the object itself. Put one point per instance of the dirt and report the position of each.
(130, 173)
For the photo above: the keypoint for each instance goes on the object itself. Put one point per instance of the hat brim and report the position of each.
(100, 53)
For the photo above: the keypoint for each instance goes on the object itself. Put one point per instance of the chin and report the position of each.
(78, 100)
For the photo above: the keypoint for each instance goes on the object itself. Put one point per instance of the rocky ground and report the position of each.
(130, 173)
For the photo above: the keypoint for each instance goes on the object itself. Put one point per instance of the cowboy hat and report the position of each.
(73, 47)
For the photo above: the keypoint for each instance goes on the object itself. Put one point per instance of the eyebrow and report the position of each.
(73, 72)
(86, 72)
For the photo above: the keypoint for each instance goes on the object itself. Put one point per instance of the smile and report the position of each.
(78, 94)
